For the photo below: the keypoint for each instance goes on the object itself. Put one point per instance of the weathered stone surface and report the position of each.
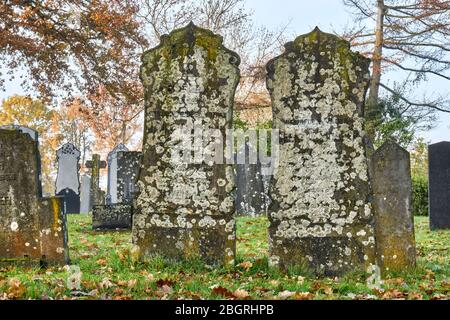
(186, 209)
(320, 215)
(111, 217)
(250, 193)
(32, 228)
(111, 193)
(439, 185)
(97, 196)
(67, 179)
(85, 194)
(392, 206)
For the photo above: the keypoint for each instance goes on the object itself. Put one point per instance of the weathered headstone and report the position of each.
(96, 194)
(32, 228)
(111, 195)
(67, 179)
(186, 209)
(85, 194)
(127, 175)
(320, 216)
(439, 185)
(250, 193)
(392, 206)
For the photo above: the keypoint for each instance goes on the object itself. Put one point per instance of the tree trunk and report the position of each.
(373, 112)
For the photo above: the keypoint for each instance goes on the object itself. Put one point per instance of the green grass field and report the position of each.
(109, 271)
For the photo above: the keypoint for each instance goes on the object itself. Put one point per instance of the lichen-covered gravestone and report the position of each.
(439, 185)
(392, 206)
(67, 179)
(32, 228)
(320, 216)
(185, 208)
(250, 193)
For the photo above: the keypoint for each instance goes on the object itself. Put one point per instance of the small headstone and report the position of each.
(185, 209)
(439, 185)
(32, 228)
(67, 179)
(392, 205)
(250, 194)
(96, 194)
(111, 194)
(320, 216)
(85, 194)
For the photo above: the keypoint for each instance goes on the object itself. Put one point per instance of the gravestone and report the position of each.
(392, 206)
(118, 214)
(85, 194)
(320, 216)
(250, 193)
(184, 207)
(111, 195)
(96, 194)
(32, 228)
(67, 179)
(439, 185)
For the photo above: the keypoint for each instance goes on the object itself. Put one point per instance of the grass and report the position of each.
(108, 270)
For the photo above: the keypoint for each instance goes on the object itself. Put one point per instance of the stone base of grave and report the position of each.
(323, 256)
(210, 238)
(49, 245)
(112, 217)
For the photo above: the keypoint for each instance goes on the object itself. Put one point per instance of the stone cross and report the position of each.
(320, 216)
(32, 229)
(184, 207)
(392, 204)
(67, 179)
(439, 185)
(95, 165)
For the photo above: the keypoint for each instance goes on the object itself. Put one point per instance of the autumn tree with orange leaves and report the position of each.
(408, 35)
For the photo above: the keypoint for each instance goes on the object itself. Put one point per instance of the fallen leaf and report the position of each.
(286, 294)
(221, 291)
(241, 294)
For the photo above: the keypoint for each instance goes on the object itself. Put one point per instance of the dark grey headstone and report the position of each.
(113, 168)
(250, 193)
(392, 204)
(67, 179)
(32, 228)
(439, 185)
(128, 164)
(111, 217)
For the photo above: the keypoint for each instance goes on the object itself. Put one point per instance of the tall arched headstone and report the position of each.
(32, 228)
(320, 216)
(185, 207)
(67, 179)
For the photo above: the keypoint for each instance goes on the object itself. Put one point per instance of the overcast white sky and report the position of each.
(304, 15)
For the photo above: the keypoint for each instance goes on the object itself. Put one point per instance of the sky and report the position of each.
(303, 16)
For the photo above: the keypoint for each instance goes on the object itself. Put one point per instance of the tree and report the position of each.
(25, 111)
(408, 35)
(70, 45)
(70, 126)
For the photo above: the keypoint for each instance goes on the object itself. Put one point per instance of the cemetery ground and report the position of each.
(109, 271)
